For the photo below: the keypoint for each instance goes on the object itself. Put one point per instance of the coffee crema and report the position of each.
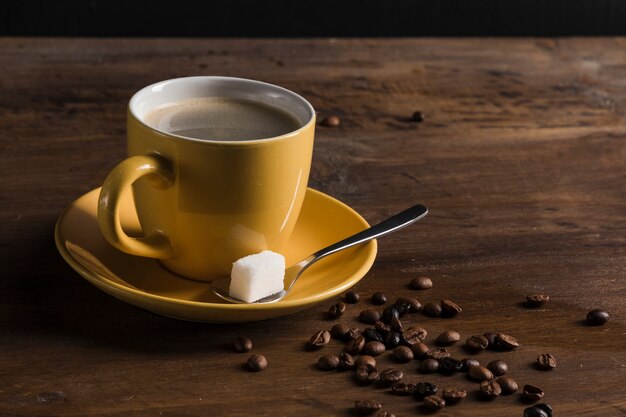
(221, 119)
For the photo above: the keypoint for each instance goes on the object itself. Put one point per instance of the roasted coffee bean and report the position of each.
(491, 339)
(532, 393)
(393, 339)
(544, 407)
(508, 385)
(413, 335)
(336, 310)
(242, 344)
(437, 353)
(366, 374)
(369, 316)
(256, 362)
(447, 338)
(373, 348)
(383, 413)
(498, 368)
(434, 402)
(352, 297)
(429, 366)
(379, 298)
(389, 312)
(467, 362)
(331, 121)
(453, 396)
(546, 362)
(534, 411)
(432, 309)
(328, 362)
(490, 389)
(419, 350)
(506, 342)
(421, 283)
(414, 304)
(395, 324)
(319, 339)
(449, 308)
(449, 366)
(403, 388)
(390, 375)
(346, 361)
(372, 334)
(417, 117)
(477, 343)
(355, 346)
(339, 331)
(367, 407)
(597, 317)
(424, 389)
(365, 360)
(403, 307)
(353, 333)
(402, 354)
(536, 300)
(382, 328)
(479, 373)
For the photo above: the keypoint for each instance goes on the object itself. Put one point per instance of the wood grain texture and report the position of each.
(521, 160)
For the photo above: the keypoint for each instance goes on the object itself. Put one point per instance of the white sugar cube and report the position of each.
(257, 276)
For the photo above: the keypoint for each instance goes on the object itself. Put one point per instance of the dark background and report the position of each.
(305, 18)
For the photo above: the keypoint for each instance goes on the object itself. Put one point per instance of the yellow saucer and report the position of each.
(145, 283)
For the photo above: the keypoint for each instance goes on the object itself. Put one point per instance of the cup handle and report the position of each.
(119, 180)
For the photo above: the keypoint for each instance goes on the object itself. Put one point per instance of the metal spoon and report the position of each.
(220, 287)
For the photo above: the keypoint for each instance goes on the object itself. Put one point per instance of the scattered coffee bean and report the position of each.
(382, 328)
(413, 335)
(491, 340)
(432, 309)
(402, 354)
(434, 402)
(536, 300)
(424, 389)
(437, 353)
(477, 343)
(355, 346)
(383, 413)
(391, 375)
(366, 374)
(319, 339)
(365, 360)
(379, 298)
(256, 362)
(354, 333)
(490, 389)
(389, 312)
(336, 310)
(352, 297)
(339, 331)
(414, 305)
(429, 366)
(479, 373)
(242, 344)
(448, 338)
(546, 362)
(328, 362)
(597, 317)
(498, 368)
(403, 388)
(403, 307)
(367, 407)
(449, 308)
(449, 366)
(331, 121)
(544, 407)
(419, 350)
(346, 361)
(395, 324)
(371, 334)
(393, 339)
(508, 385)
(369, 316)
(421, 283)
(532, 393)
(453, 396)
(417, 117)
(534, 411)
(467, 362)
(373, 348)
(506, 342)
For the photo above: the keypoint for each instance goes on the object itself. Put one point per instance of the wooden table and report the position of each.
(521, 159)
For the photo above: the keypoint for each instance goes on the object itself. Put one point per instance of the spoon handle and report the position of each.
(383, 228)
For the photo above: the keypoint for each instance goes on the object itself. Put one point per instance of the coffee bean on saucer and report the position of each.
(382, 328)
(597, 317)
(369, 316)
(419, 350)
(402, 354)
(429, 366)
(417, 117)
(366, 374)
(508, 385)
(453, 396)
(414, 305)
(536, 300)
(339, 331)
(476, 343)
(534, 411)
(373, 348)
(490, 389)
(256, 362)
(498, 367)
(319, 339)
(352, 297)
(355, 346)
(491, 340)
(532, 393)
(546, 362)
(365, 360)
(242, 344)
(432, 309)
(346, 361)
(413, 335)
(371, 334)
(424, 389)
(506, 342)
(395, 324)
(449, 308)
(328, 362)
(403, 388)
(379, 298)
(367, 407)
(434, 402)
(479, 373)
(393, 339)
(390, 375)
(437, 353)
(331, 121)
(447, 338)
(467, 362)
(449, 366)
(336, 310)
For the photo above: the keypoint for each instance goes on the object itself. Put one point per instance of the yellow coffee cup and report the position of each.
(202, 203)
